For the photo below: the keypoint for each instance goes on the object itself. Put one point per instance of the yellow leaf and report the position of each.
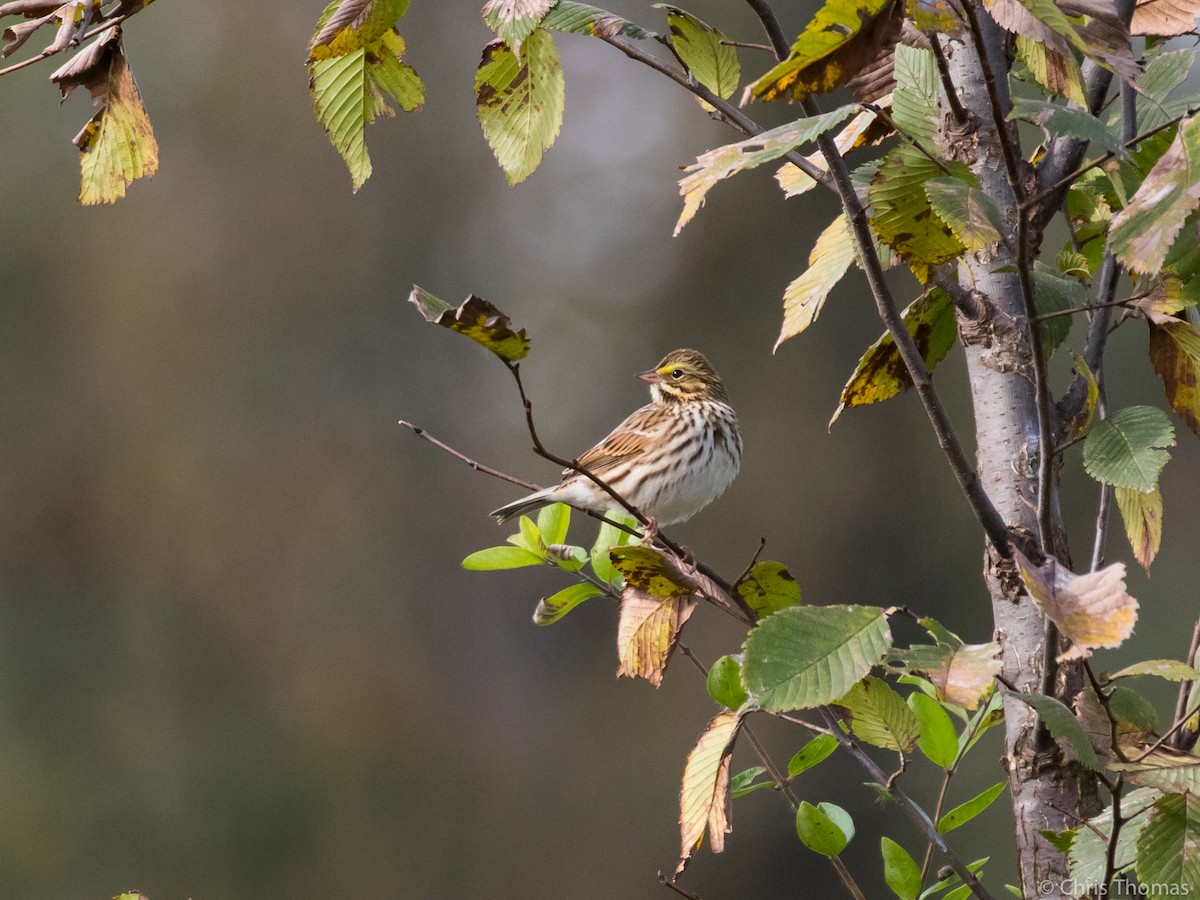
(1083, 419)
(704, 799)
(791, 177)
(1142, 514)
(1175, 355)
(804, 298)
(1090, 610)
(648, 630)
(477, 319)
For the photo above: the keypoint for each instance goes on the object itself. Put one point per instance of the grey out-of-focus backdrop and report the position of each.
(238, 656)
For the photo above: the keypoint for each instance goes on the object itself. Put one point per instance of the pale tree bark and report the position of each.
(1047, 791)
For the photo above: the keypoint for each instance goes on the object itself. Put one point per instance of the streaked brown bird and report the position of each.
(670, 459)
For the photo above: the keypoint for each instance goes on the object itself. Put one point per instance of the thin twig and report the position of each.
(847, 878)
(1185, 687)
(51, 51)
(961, 117)
(1088, 307)
(887, 120)
(670, 885)
(762, 543)
(1105, 700)
(749, 45)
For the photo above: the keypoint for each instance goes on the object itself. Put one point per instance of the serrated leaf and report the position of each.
(1143, 232)
(1058, 120)
(494, 558)
(1168, 848)
(519, 102)
(1053, 66)
(901, 214)
(819, 831)
(965, 812)
(1170, 771)
(704, 801)
(1163, 74)
(961, 673)
(815, 751)
(475, 318)
(768, 587)
(839, 40)
(1097, 32)
(1175, 355)
(350, 90)
(1089, 849)
(916, 101)
(900, 870)
(724, 682)
(878, 715)
(881, 373)
(710, 61)
(551, 609)
(938, 740)
(1133, 710)
(117, 146)
(648, 630)
(833, 253)
(1143, 518)
(805, 656)
(1055, 292)
(1128, 449)
(1170, 669)
(971, 214)
(348, 25)
(1091, 610)
(515, 20)
(794, 182)
(717, 165)
(1164, 18)
(1062, 725)
(579, 18)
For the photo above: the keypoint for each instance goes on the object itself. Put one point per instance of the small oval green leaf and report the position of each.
(965, 812)
(938, 740)
(500, 558)
(725, 682)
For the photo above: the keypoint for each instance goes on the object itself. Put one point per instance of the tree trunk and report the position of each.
(1047, 792)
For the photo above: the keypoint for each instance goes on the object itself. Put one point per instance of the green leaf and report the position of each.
(1053, 66)
(1143, 232)
(725, 682)
(117, 146)
(515, 20)
(1060, 840)
(805, 656)
(530, 537)
(567, 557)
(819, 831)
(501, 558)
(1042, 20)
(1063, 725)
(717, 165)
(815, 751)
(350, 90)
(1168, 770)
(841, 38)
(553, 608)
(579, 18)
(1067, 121)
(768, 587)
(743, 783)
(1054, 292)
(971, 214)
(938, 741)
(553, 522)
(710, 61)
(1133, 709)
(520, 102)
(1170, 669)
(477, 319)
(965, 812)
(1168, 848)
(901, 213)
(1128, 449)
(1162, 75)
(881, 373)
(916, 102)
(349, 25)
(900, 870)
(833, 253)
(879, 716)
(606, 539)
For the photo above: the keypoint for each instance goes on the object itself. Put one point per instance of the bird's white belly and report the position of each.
(680, 495)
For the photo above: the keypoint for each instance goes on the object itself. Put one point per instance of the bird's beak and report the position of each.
(650, 377)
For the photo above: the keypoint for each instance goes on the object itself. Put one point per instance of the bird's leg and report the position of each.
(650, 531)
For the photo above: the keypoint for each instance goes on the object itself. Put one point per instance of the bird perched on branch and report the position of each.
(670, 459)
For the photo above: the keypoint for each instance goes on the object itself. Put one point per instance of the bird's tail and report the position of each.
(536, 500)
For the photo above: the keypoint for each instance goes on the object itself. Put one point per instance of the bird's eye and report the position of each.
(677, 373)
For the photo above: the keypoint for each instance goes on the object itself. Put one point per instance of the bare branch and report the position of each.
(1181, 710)
(961, 117)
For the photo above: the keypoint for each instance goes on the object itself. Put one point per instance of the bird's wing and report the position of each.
(630, 438)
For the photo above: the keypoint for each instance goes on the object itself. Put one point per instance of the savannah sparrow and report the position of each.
(670, 459)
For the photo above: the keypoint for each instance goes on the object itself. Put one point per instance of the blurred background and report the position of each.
(238, 656)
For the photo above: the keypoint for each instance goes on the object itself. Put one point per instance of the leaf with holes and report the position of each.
(704, 51)
(881, 373)
(477, 319)
(1091, 610)
(833, 253)
(1142, 514)
(519, 102)
(842, 37)
(704, 796)
(717, 165)
(805, 656)
(1128, 449)
(878, 715)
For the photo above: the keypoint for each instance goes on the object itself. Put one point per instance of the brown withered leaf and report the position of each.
(1164, 18)
(876, 80)
(1091, 610)
(477, 319)
(1166, 295)
(864, 129)
(1175, 355)
(648, 630)
(28, 8)
(72, 18)
(704, 799)
(1171, 771)
(961, 673)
